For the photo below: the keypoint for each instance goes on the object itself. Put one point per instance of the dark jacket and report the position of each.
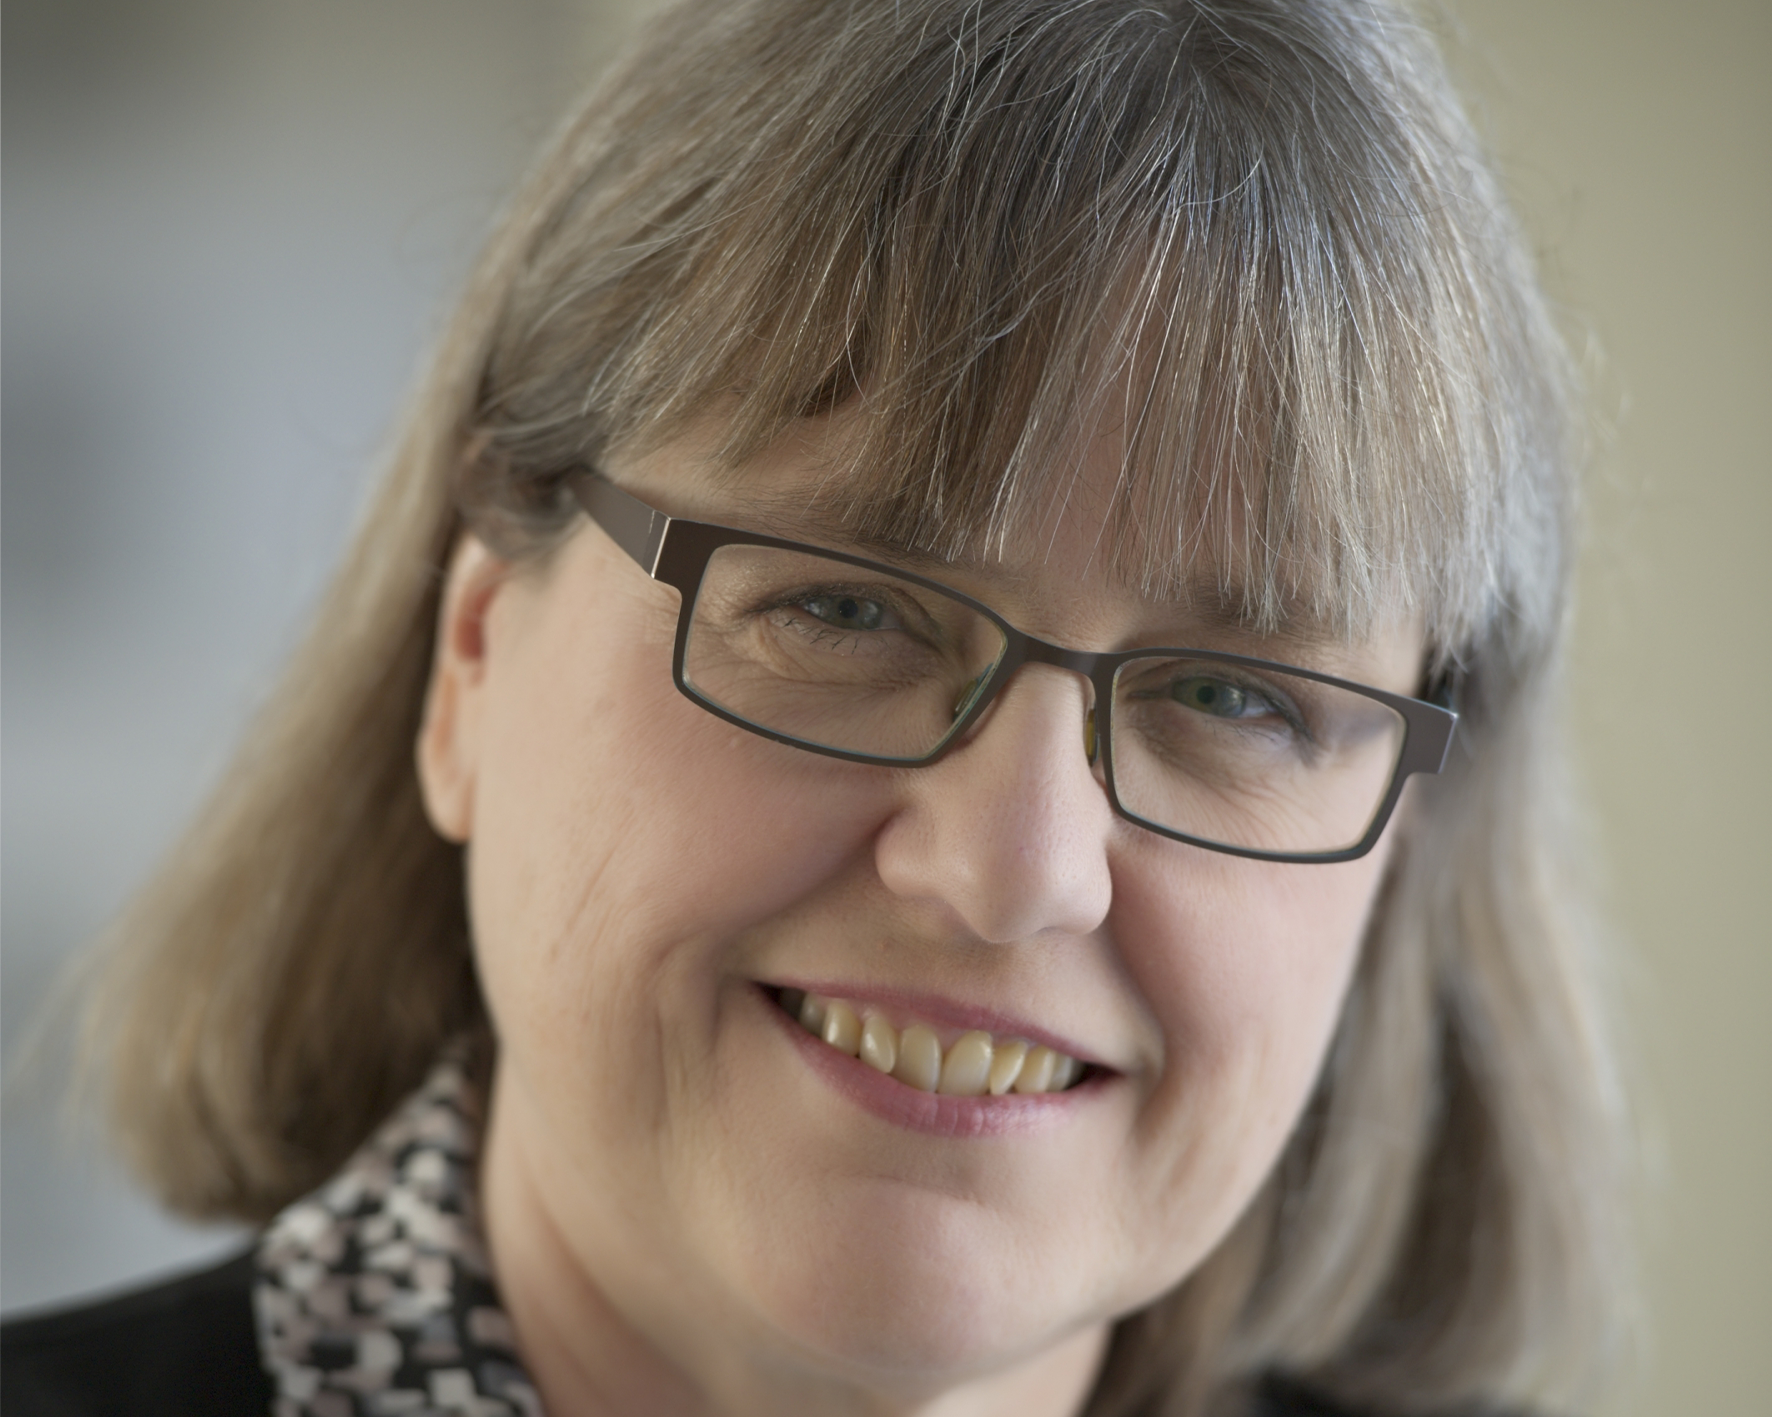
(185, 1348)
(189, 1348)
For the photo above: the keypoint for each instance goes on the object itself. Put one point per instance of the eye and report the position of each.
(1217, 697)
(848, 612)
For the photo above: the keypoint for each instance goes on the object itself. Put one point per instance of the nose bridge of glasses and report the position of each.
(1079, 661)
(1028, 650)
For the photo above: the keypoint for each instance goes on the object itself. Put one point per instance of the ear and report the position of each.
(449, 739)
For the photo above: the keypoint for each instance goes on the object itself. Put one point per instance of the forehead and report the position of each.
(1070, 572)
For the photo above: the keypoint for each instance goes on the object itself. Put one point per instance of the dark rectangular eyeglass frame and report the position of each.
(677, 551)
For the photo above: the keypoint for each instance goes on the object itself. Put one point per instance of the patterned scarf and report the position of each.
(374, 1294)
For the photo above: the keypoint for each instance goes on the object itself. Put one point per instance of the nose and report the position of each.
(1010, 830)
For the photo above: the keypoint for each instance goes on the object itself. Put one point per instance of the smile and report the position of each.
(975, 1064)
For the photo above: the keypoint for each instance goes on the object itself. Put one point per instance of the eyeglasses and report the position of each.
(845, 656)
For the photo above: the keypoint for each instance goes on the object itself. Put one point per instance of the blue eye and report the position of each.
(845, 612)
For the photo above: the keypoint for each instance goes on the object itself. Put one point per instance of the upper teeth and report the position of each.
(972, 1065)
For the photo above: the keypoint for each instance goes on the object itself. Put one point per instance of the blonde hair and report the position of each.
(1257, 235)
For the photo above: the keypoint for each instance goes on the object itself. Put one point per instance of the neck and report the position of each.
(598, 1345)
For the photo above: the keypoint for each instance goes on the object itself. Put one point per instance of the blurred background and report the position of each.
(231, 228)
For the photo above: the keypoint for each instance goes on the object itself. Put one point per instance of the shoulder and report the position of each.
(187, 1346)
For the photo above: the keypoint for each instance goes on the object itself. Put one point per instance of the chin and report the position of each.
(915, 1295)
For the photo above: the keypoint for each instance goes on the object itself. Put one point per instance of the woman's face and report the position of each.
(645, 879)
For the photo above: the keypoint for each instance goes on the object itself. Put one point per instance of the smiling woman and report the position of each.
(977, 587)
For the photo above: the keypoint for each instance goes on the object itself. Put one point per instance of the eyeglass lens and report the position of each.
(857, 660)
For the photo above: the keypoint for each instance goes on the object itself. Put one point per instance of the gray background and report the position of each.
(231, 226)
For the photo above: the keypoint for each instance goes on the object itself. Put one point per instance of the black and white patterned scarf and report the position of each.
(374, 1294)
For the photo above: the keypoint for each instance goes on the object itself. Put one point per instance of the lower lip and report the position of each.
(933, 1113)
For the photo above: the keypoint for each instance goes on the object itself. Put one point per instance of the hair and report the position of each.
(1255, 236)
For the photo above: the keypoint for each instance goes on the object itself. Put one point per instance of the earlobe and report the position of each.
(448, 747)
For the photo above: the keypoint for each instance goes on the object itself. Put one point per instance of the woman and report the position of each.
(977, 588)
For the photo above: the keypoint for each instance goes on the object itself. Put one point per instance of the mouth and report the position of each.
(922, 1056)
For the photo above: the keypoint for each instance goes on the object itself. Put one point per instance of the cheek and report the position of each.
(1246, 965)
(622, 836)
(1258, 956)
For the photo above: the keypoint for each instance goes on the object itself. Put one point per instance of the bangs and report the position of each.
(1253, 249)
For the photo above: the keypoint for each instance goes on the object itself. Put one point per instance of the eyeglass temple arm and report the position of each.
(630, 523)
